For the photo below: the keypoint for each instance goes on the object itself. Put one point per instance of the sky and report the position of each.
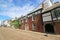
(15, 8)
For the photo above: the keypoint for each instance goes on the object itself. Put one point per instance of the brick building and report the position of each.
(32, 21)
(43, 19)
(51, 19)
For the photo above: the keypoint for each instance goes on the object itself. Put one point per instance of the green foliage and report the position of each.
(16, 23)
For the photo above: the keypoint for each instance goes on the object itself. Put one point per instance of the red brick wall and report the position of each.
(30, 23)
(38, 23)
(57, 27)
(23, 24)
(21, 27)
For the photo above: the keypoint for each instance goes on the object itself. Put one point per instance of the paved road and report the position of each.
(16, 34)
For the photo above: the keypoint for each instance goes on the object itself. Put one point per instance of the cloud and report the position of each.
(17, 11)
(40, 1)
(14, 8)
(10, 1)
(3, 5)
(8, 8)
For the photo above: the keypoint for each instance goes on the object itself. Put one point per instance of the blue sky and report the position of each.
(15, 8)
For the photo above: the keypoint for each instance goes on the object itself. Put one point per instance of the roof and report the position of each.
(38, 7)
(34, 10)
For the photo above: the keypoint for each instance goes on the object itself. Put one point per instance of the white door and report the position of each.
(26, 27)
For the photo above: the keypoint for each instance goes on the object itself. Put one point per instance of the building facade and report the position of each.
(32, 21)
(51, 19)
(44, 19)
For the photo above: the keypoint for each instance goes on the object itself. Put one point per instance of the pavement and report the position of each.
(18, 34)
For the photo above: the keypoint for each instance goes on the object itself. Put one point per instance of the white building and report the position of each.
(6, 23)
(0, 23)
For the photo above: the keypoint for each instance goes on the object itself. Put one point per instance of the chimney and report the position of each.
(56, 2)
(43, 5)
(46, 4)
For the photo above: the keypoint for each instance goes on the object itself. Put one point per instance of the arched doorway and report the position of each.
(49, 28)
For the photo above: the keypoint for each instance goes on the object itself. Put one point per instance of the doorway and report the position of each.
(49, 28)
(26, 27)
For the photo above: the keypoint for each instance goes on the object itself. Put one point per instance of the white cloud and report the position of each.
(16, 11)
(39, 1)
(3, 5)
(10, 1)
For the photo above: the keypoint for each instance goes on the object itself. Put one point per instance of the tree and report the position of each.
(16, 23)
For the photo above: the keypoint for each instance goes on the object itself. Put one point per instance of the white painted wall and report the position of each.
(26, 28)
(46, 17)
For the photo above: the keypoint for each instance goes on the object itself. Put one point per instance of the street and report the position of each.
(17, 34)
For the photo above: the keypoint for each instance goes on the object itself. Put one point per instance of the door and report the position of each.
(49, 28)
(26, 27)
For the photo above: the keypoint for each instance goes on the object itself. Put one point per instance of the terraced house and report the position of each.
(43, 19)
(32, 21)
(51, 19)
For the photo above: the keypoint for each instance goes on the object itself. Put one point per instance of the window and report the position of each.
(22, 20)
(53, 14)
(33, 27)
(39, 12)
(26, 19)
(56, 13)
(33, 17)
(35, 13)
(46, 14)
